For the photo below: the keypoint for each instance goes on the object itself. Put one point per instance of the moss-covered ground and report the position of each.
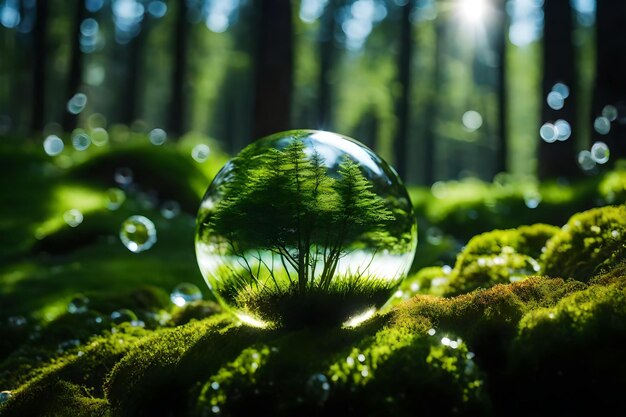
(516, 305)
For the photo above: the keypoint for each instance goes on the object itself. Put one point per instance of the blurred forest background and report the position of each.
(443, 90)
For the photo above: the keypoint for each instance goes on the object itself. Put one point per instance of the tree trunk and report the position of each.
(131, 93)
(610, 86)
(326, 42)
(404, 81)
(432, 110)
(500, 29)
(75, 72)
(558, 158)
(177, 105)
(39, 66)
(274, 68)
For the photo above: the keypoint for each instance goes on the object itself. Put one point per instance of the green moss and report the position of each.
(590, 242)
(498, 257)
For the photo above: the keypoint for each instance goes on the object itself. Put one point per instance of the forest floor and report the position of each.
(516, 304)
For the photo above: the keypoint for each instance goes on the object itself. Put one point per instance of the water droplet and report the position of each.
(185, 293)
(361, 357)
(53, 145)
(600, 152)
(77, 103)
(586, 162)
(157, 137)
(615, 234)
(123, 176)
(602, 125)
(548, 132)
(215, 409)
(563, 129)
(431, 332)
(365, 372)
(115, 198)
(555, 100)
(610, 112)
(170, 209)
(99, 136)
(454, 344)
(78, 305)
(472, 120)
(200, 152)
(215, 385)
(81, 141)
(73, 217)
(123, 315)
(5, 396)
(445, 341)
(350, 361)
(415, 287)
(446, 269)
(562, 89)
(138, 233)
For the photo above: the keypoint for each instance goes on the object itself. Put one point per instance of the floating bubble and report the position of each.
(562, 89)
(53, 145)
(138, 234)
(200, 152)
(610, 112)
(185, 293)
(434, 235)
(77, 103)
(586, 161)
(563, 129)
(81, 141)
(600, 152)
(318, 388)
(157, 137)
(5, 396)
(170, 209)
(555, 100)
(157, 9)
(532, 199)
(123, 176)
(115, 198)
(89, 27)
(602, 125)
(305, 227)
(99, 136)
(472, 120)
(124, 315)
(67, 345)
(73, 217)
(17, 321)
(78, 305)
(548, 132)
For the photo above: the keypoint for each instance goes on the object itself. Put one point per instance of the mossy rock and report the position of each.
(590, 242)
(500, 256)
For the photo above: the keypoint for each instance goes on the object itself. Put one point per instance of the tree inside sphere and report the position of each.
(305, 228)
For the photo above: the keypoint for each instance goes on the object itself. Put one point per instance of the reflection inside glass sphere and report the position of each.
(305, 228)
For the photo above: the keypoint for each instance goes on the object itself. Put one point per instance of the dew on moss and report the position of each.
(185, 293)
(73, 217)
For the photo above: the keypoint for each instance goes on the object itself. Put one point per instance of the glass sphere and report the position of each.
(305, 228)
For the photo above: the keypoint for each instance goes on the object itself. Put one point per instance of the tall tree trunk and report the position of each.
(432, 110)
(132, 91)
(274, 68)
(326, 44)
(610, 86)
(558, 158)
(39, 65)
(500, 29)
(404, 79)
(177, 105)
(75, 72)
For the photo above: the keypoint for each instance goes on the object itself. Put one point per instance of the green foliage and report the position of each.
(590, 242)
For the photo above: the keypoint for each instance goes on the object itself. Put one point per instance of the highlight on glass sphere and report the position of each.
(305, 228)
